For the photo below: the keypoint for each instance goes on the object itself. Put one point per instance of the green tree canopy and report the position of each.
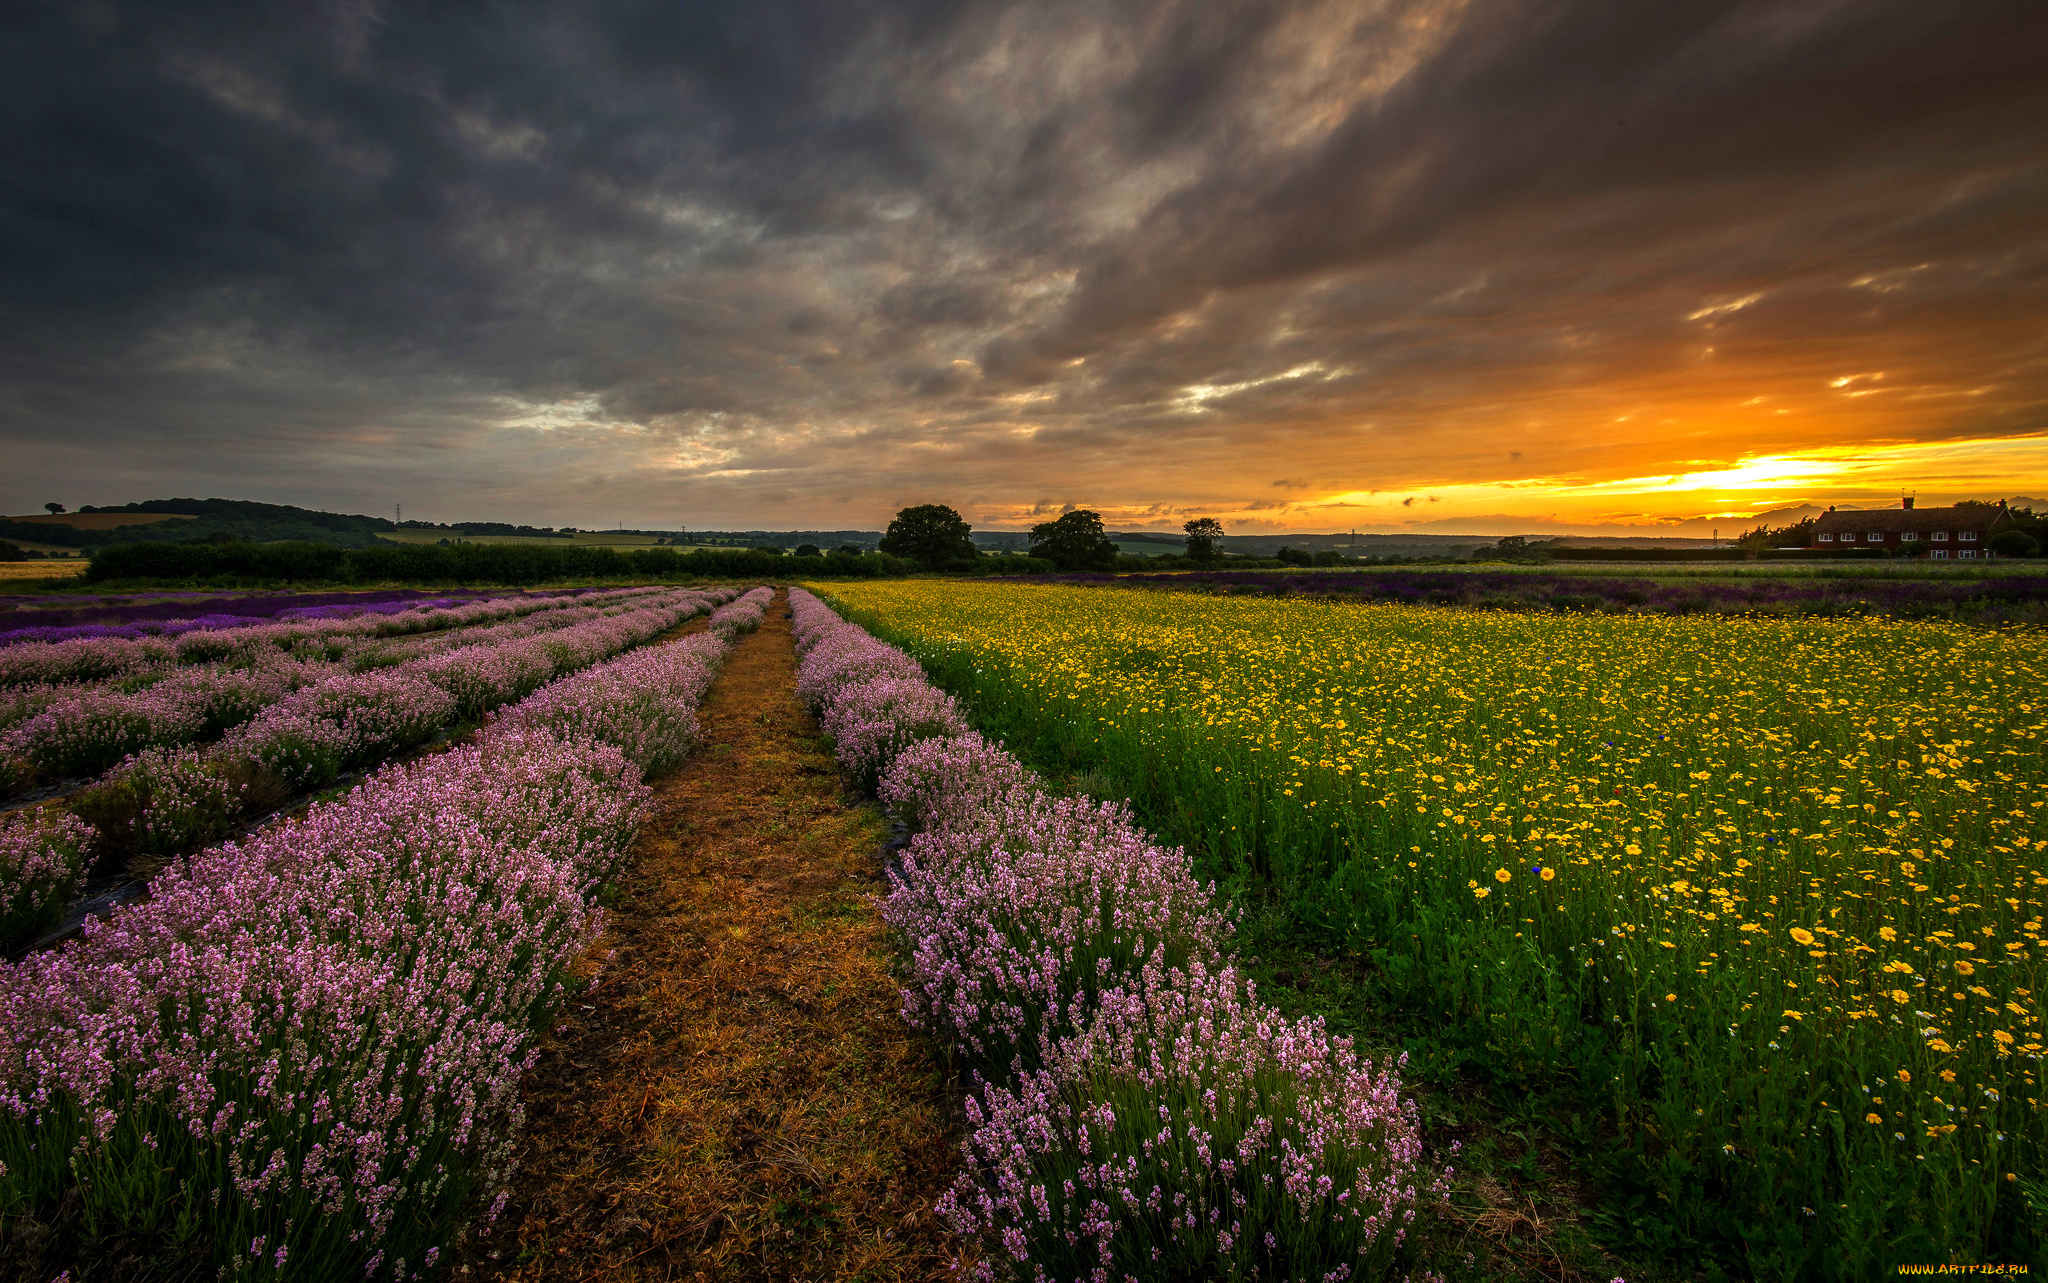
(1766, 536)
(1203, 532)
(1074, 542)
(931, 535)
(2013, 543)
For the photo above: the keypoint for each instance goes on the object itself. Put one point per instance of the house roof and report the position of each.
(1899, 520)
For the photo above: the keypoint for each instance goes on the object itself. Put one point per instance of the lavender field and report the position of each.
(2018, 598)
(59, 617)
(189, 735)
(300, 1056)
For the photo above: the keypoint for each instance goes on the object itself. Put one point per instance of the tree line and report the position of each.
(936, 538)
(515, 564)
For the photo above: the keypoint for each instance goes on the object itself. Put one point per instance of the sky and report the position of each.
(1451, 266)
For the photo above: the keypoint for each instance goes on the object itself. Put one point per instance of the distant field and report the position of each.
(16, 570)
(103, 520)
(1736, 570)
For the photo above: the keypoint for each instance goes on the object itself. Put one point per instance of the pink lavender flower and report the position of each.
(310, 737)
(845, 656)
(1020, 909)
(180, 800)
(644, 704)
(949, 775)
(1191, 1132)
(870, 722)
(42, 863)
(743, 615)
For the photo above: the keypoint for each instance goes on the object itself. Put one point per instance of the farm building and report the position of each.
(1941, 534)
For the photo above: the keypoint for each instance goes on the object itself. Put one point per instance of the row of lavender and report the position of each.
(61, 618)
(302, 1054)
(80, 727)
(74, 708)
(313, 634)
(165, 801)
(177, 626)
(1137, 1112)
(2011, 598)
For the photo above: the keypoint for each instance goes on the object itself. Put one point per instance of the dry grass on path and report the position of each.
(737, 1096)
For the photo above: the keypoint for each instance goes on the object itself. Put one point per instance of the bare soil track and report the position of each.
(735, 1095)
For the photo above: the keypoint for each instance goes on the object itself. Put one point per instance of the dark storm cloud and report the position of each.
(745, 262)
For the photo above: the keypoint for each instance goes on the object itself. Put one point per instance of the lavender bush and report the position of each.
(939, 778)
(172, 801)
(1021, 908)
(42, 862)
(743, 615)
(1190, 1132)
(310, 737)
(644, 704)
(1136, 1112)
(872, 721)
(481, 676)
(841, 658)
(305, 1048)
(172, 613)
(81, 660)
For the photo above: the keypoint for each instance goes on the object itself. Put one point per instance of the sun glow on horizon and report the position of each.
(1691, 501)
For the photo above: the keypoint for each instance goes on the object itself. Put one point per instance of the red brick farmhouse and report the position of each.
(1941, 534)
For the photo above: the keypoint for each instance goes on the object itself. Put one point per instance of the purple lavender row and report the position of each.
(99, 658)
(178, 626)
(162, 617)
(1137, 1111)
(743, 616)
(313, 735)
(2007, 599)
(66, 731)
(165, 802)
(140, 614)
(309, 1044)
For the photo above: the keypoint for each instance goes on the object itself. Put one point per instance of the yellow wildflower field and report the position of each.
(1745, 847)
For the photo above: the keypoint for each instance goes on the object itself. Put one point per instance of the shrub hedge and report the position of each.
(465, 563)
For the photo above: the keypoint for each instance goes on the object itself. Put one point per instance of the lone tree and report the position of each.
(1203, 532)
(932, 535)
(54, 508)
(1074, 542)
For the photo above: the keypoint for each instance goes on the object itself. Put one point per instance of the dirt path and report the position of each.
(737, 1095)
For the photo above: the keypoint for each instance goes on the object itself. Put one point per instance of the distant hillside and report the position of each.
(198, 521)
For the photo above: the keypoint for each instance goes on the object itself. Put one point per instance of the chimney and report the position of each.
(1908, 502)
